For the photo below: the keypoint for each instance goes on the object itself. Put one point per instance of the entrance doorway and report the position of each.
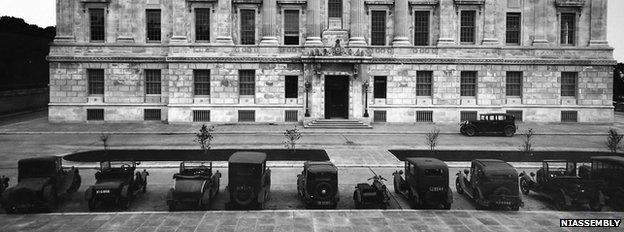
(336, 97)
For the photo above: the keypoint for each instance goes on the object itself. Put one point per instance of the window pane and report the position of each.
(291, 27)
(378, 28)
(96, 21)
(468, 83)
(379, 87)
(153, 25)
(202, 24)
(202, 82)
(568, 26)
(335, 8)
(248, 26)
(152, 81)
(96, 81)
(247, 82)
(421, 28)
(292, 86)
(513, 28)
(424, 80)
(514, 84)
(568, 84)
(467, 33)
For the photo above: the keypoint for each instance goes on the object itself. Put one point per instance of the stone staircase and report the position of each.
(337, 124)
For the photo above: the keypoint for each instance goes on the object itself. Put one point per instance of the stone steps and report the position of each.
(337, 124)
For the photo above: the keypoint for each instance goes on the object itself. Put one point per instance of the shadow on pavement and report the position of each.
(195, 155)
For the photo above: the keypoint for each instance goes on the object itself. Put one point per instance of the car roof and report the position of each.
(50, 159)
(614, 159)
(320, 166)
(426, 162)
(494, 165)
(248, 157)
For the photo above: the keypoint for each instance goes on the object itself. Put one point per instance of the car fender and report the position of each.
(89, 193)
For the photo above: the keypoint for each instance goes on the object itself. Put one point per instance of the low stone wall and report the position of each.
(21, 100)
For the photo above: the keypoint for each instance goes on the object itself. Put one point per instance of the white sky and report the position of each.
(42, 13)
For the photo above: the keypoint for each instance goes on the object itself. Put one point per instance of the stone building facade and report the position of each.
(282, 61)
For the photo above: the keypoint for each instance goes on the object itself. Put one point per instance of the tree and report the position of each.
(204, 137)
(104, 138)
(613, 140)
(431, 139)
(527, 141)
(292, 136)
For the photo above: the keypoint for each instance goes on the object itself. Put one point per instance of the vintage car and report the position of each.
(195, 184)
(40, 183)
(373, 195)
(491, 183)
(317, 185)
(490, 124)
(116, 184)
(426, 183)
(249, 180)
(609, 170)
(558, 179)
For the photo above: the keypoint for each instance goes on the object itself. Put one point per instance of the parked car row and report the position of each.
(424, 182)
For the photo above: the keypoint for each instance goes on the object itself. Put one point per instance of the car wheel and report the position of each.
(524, 187)
(458, 186)
(10, 209)
(75, 184)
(515, 208)
(124, 203)
(470, 131)
(446, 206)
(51, 199)
(509, 131)
(92, 204)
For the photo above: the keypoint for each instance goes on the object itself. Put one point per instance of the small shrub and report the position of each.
(431, 139)
(204, 137)
(527, 141)
(104, 138)
(613, 140)
(291, 138)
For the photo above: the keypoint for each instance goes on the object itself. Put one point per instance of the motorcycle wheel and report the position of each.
(524, 187)
(470, 131)
(458, 186)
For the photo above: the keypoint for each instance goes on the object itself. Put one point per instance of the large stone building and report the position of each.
(404, 61)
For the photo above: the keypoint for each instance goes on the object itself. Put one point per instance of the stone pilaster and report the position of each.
(126, 22)
(269, 34)
(357, 23)
(314, 24)
(180, 25)
(540, 15)
(492, 10)
(224, 22)
(400, 23)
(598, 33)
(65, 20)
(447, 23)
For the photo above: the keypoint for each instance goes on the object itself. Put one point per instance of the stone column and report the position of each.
(269, 34)
(224, 22)
(491, 19)
(540, 38)
(180, 25)
(314, 24)
(400, 23)
(357, 23)
(598, 33)
(65, 20)
(125, 22)
(447, 23)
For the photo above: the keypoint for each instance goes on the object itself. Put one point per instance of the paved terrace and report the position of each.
(303, 220)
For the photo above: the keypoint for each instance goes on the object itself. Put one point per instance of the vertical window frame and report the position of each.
(334, 8)
(247, 19)
(153, 81)
(422, 28)
(292, 30)
(96, 81)
(202, 25)
(513, 29)
(468, 27)
(514, 83)
(569, 84)
(246, 82)
(201, 82)
(98, 30)
(378, 27)
(424, 83)
(380, 87)
(468, 83)
(153, 29)
(291, 86)
(565, 39)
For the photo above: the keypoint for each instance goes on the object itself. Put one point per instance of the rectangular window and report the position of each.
(517, 114)
(153, 25)
(246, 116)
(378, 27)
(468, 115)
(421, 28)
(568, 84)
(424, 116)
(247, 82)
(95, 114)
(335, 8)
(151, 114)
(569, 116)
(291, 116)
(514, 84)
(201, 115)
(513, 29)
(292, 86)
(424, 83)
(467, 33)
(468, 83)
(379, 116)
(152, 81)
(202, 82)
(248, 27)
(96, 81)
(202, 24)
(379, 88)
(291, 27)
(96, 24)
(568, 28)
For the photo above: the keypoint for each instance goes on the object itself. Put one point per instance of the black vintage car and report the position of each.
(317, 185)
(116, 184)
(609, 170)
(40, 183)
(249, 181)
(491, 183)
(195, 184)
(490, 124)
(558, 180)
(426, 183)
(373, 195)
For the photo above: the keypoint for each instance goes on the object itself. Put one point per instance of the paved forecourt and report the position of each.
(303, 220)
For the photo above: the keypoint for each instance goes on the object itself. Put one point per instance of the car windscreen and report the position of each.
(433, 172)
(245, 170)
(36, 169)
(321, 175)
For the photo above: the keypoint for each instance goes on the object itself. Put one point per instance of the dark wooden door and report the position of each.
(336, 97)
